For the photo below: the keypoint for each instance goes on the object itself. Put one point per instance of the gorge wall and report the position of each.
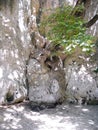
(24, 70)
(14, 48)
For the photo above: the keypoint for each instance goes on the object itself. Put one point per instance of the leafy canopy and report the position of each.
(65, 29)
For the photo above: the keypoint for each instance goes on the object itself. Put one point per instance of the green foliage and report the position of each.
(65, 29)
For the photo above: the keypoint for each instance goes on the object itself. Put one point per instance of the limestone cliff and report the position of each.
(26, 67)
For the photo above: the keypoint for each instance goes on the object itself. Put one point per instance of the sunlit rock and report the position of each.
(14, 49)
(81, 80)
(23, 54)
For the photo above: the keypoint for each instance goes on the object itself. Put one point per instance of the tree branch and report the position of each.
(91, 22)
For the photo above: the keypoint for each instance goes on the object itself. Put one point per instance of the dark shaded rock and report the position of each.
(41, 106)
(9, 97)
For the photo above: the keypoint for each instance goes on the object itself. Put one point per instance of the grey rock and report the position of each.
(81, 81)
(14, 50)
(17, 24)
(45, 86)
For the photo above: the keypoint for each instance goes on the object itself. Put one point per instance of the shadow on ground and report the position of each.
(63, 117)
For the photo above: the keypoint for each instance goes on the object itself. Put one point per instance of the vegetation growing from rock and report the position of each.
(66, 30)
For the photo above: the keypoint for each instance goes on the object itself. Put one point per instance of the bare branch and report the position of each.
(91, 22)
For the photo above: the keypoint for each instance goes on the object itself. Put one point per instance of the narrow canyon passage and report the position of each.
(48, 65)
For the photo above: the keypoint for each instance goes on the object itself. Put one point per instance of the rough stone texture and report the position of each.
(19, 51)
(81, 79)
(80, 70)
(18, 22)
(45, 86)
(14, 44)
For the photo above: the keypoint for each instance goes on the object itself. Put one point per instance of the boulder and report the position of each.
(45, 87)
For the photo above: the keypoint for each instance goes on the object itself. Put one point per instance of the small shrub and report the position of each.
(63, 28)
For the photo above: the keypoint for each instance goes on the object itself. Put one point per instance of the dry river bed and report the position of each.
(63, 117)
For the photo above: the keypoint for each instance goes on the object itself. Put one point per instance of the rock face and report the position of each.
(81, 80)
(14, 44)
(18, 22)
(45, 86)
(81, 71)
(27, 67)
(46, 82)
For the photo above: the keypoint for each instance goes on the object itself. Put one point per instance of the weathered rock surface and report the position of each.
(81, 80)
(14, 49)
(24, 51)
(45, 86)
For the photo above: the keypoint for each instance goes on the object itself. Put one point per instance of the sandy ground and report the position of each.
(63, 117)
